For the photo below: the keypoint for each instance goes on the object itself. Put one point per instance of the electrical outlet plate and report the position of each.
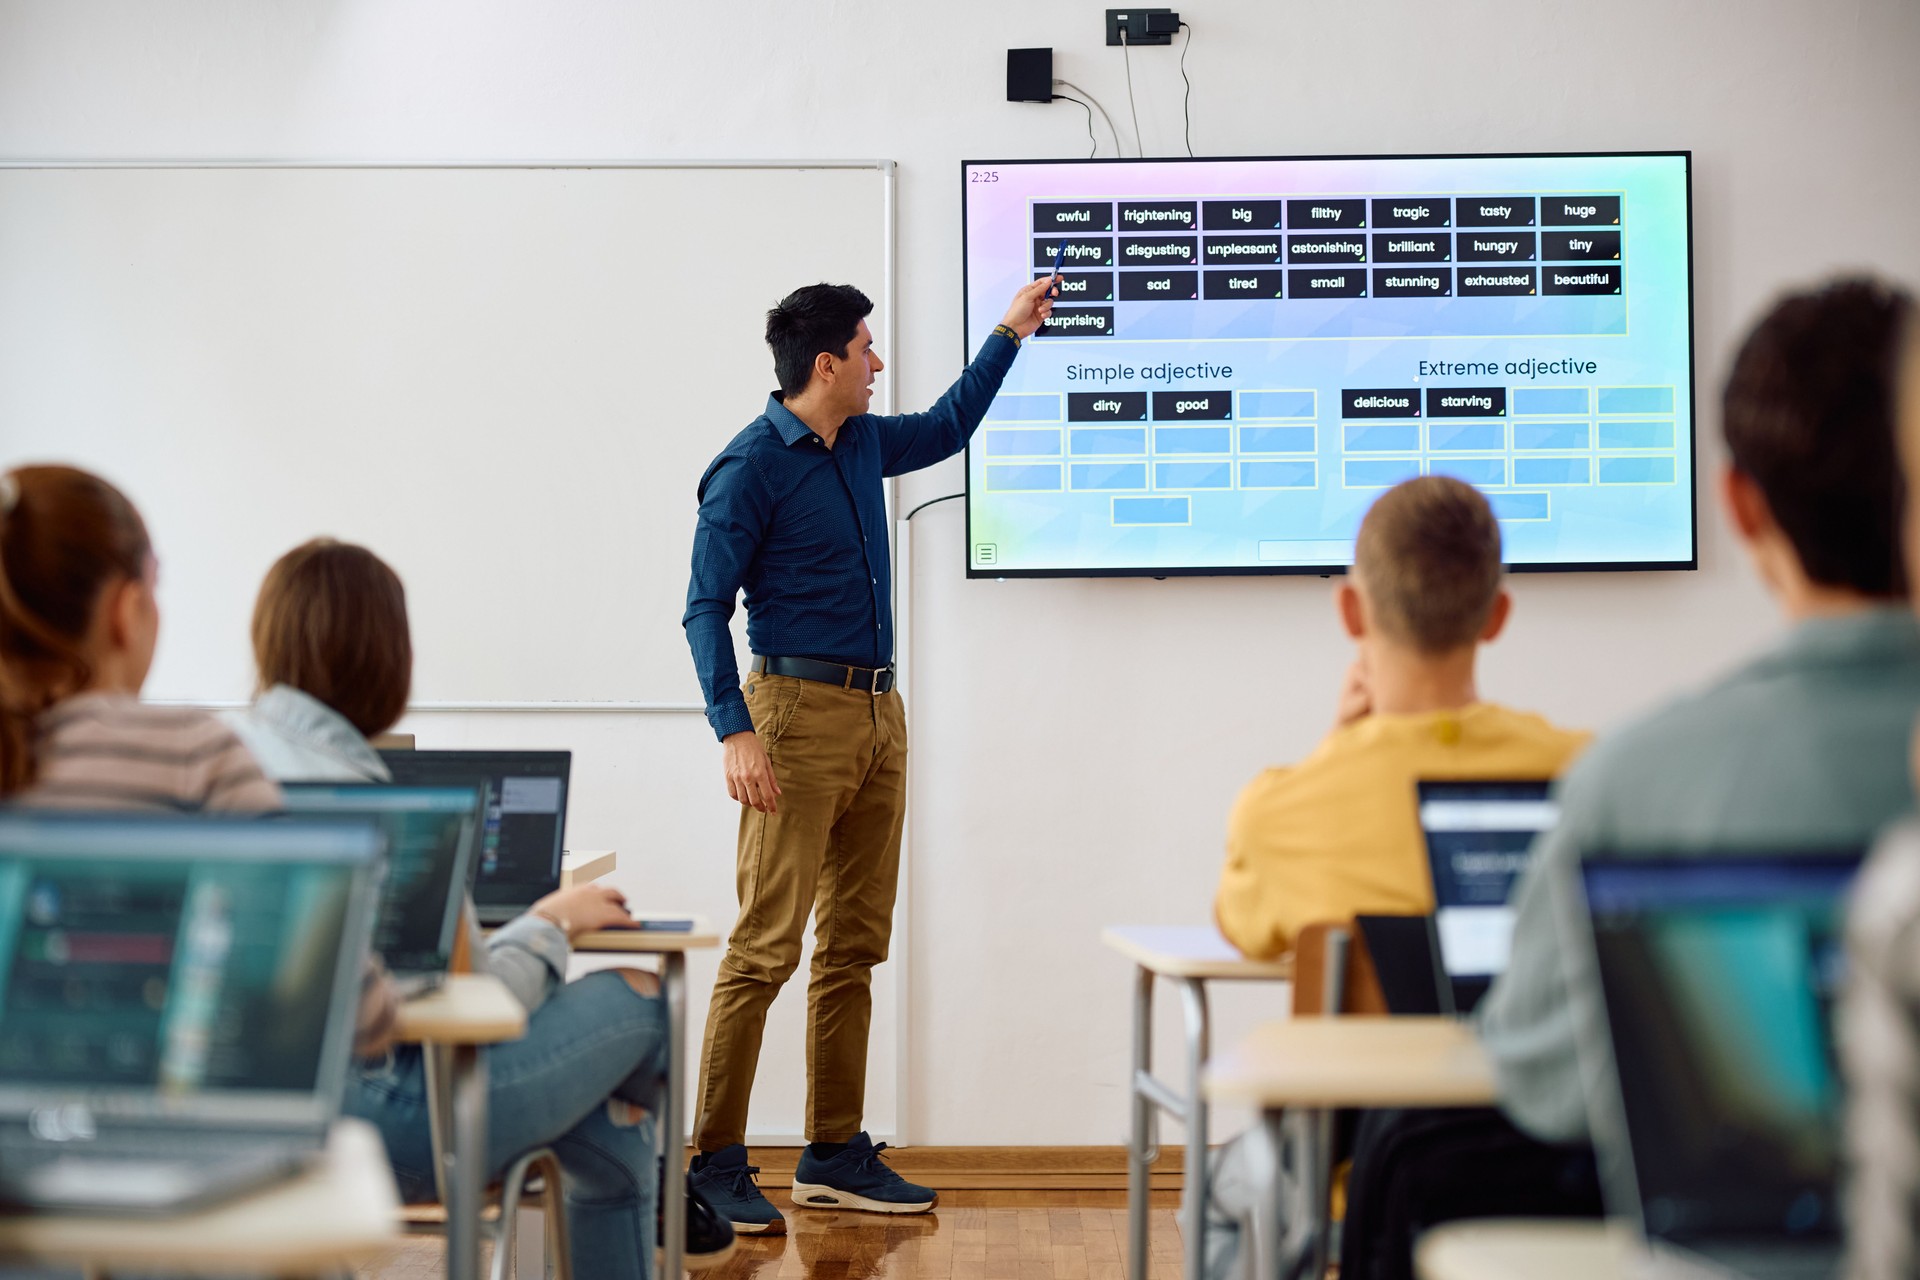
(1133, 22)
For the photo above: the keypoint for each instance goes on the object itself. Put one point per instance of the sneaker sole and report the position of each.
(809, 1195)
(778, 1227)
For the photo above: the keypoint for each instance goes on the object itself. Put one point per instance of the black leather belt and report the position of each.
(864, 679)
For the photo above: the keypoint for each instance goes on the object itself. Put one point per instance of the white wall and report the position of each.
(1076, 743)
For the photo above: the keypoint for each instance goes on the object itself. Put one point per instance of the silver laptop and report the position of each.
(177, 1002)
(1716, 1098)
(431, 836)
(1480, 838)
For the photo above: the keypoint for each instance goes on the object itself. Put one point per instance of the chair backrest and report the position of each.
(1333, 972)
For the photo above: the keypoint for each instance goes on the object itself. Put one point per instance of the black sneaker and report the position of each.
(710, 1240)
(725, 1180)
(857, 1179)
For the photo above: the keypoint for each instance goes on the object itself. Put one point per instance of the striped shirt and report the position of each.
(112, 751)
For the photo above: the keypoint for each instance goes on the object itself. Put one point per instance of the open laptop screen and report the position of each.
(1479, 838)
(518, 861)
(173, 957)
(431, 834)
(1719, 975)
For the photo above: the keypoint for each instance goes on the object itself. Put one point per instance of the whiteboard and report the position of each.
(506, 380)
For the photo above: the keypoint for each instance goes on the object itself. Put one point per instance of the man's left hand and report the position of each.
(1031, 307)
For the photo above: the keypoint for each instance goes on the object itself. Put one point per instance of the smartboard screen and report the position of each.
(1245, 353)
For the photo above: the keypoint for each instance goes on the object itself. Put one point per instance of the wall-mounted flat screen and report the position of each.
(1245, 353)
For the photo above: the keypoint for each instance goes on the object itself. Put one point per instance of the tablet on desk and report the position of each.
(660, 924)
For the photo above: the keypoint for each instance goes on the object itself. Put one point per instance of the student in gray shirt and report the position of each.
(1802, 746)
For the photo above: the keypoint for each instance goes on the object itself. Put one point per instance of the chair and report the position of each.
(534, 1181)
(1334, 976)
(451, 1047)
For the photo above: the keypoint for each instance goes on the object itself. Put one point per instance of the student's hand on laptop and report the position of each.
(1356, 699)
(585, 908)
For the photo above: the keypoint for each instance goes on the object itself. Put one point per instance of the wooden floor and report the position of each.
(973, 1235)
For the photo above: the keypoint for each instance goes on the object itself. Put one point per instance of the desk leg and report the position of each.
(1194, 1181)
(464, 1152)
(1139, 1156)
(673, 1138)
(1321, 1188)
(1271, 1251)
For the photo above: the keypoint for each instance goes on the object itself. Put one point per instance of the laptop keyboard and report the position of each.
(1782, 1261)
(153, 1147)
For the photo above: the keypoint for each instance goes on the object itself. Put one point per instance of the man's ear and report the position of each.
(823, 366)
(1497, 617)
(1352, 609)
(1746, 506)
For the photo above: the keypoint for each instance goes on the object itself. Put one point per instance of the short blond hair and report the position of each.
(1428, 562)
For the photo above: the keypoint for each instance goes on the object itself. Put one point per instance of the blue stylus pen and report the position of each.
(1059, 252)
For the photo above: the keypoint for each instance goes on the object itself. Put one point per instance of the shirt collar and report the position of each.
(786, 422)
(305, 719)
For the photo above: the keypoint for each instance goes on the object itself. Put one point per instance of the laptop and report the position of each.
(1479, 838)
(1718, 1123)
(177, 1003)
(524, 825)
(431, 836)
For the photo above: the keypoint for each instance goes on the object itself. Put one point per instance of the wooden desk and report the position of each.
(672, 949)
(469, 1008)
(340, 1214)
(1356, 1062)
(581, 866)
(1298, 1072)
(452, 1025)
(1190, 956)
(1526, 1249)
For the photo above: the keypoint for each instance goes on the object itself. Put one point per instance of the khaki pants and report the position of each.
(833, 849)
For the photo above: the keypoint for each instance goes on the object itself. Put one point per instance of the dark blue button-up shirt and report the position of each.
(803, 530)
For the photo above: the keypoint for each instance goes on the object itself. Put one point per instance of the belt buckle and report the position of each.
(873, 688)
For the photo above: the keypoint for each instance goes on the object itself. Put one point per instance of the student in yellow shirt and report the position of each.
(1338, 834)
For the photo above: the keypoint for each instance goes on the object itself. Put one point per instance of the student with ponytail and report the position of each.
(78, 624)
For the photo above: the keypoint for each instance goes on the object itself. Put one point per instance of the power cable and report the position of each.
(1094, 149)
(1126, 54)
(930, 501)
(1186, 99)
(1068, 84)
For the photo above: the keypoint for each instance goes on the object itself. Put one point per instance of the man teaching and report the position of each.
(792, 512)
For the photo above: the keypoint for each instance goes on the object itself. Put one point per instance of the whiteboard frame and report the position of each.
(889, 397)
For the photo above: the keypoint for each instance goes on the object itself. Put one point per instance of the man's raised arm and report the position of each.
(915, 440)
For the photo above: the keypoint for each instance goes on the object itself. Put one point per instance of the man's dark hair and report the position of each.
(819, 317)
(1808, 413)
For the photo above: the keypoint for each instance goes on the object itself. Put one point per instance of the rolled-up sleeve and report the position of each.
(528, 954)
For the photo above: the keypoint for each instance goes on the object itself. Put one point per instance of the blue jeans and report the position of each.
(592, 1040)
